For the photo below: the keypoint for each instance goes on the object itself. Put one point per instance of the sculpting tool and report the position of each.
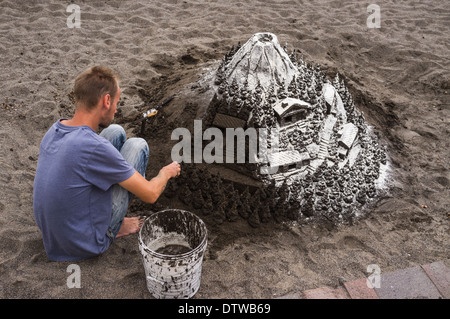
(151, 113)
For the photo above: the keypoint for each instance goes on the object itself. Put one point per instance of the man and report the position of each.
(84, 181)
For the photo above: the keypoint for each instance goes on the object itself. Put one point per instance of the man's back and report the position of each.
(72, 191)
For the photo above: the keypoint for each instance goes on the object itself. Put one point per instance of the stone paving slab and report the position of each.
(439, 274)
(431, 281)
(410, 283)
(357, 289)
(325, 293)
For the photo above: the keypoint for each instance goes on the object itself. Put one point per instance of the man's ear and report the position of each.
(107, 101)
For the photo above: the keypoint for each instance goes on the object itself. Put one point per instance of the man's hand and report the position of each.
(149, 191)
(172, 170)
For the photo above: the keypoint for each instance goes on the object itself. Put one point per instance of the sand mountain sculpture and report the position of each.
(329, 165)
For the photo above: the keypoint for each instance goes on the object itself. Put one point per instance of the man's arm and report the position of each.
(149, 191)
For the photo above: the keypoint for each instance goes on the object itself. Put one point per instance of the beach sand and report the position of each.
(399, 76)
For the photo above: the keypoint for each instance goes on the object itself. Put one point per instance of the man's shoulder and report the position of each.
(84, 140)
(87, 135)
(99, 146)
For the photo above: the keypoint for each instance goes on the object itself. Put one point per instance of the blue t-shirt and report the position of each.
(72, 191)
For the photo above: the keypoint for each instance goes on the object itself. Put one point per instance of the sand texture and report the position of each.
(399, 76)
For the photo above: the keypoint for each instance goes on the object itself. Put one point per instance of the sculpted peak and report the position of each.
(261, 60)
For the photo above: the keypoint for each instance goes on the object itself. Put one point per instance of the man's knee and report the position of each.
(135, 146)
(115, 134)
(138, 143)
(115, 126)
(136, 152)
(113, 129)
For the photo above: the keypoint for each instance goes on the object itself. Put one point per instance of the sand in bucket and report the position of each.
(172, 243)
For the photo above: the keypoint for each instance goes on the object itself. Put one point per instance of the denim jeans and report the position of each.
(136, 152)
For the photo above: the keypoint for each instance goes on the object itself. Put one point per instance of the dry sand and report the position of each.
(398, 75)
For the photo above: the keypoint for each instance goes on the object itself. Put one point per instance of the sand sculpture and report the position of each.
(329, 165)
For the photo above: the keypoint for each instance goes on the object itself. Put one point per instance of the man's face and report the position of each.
(109, 115)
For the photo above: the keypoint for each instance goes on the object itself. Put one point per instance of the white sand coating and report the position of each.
(261, 60)
(325, 154)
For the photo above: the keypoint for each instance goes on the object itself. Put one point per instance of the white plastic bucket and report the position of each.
(172, 243)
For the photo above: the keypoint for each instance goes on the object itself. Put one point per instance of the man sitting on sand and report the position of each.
(84, 181)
